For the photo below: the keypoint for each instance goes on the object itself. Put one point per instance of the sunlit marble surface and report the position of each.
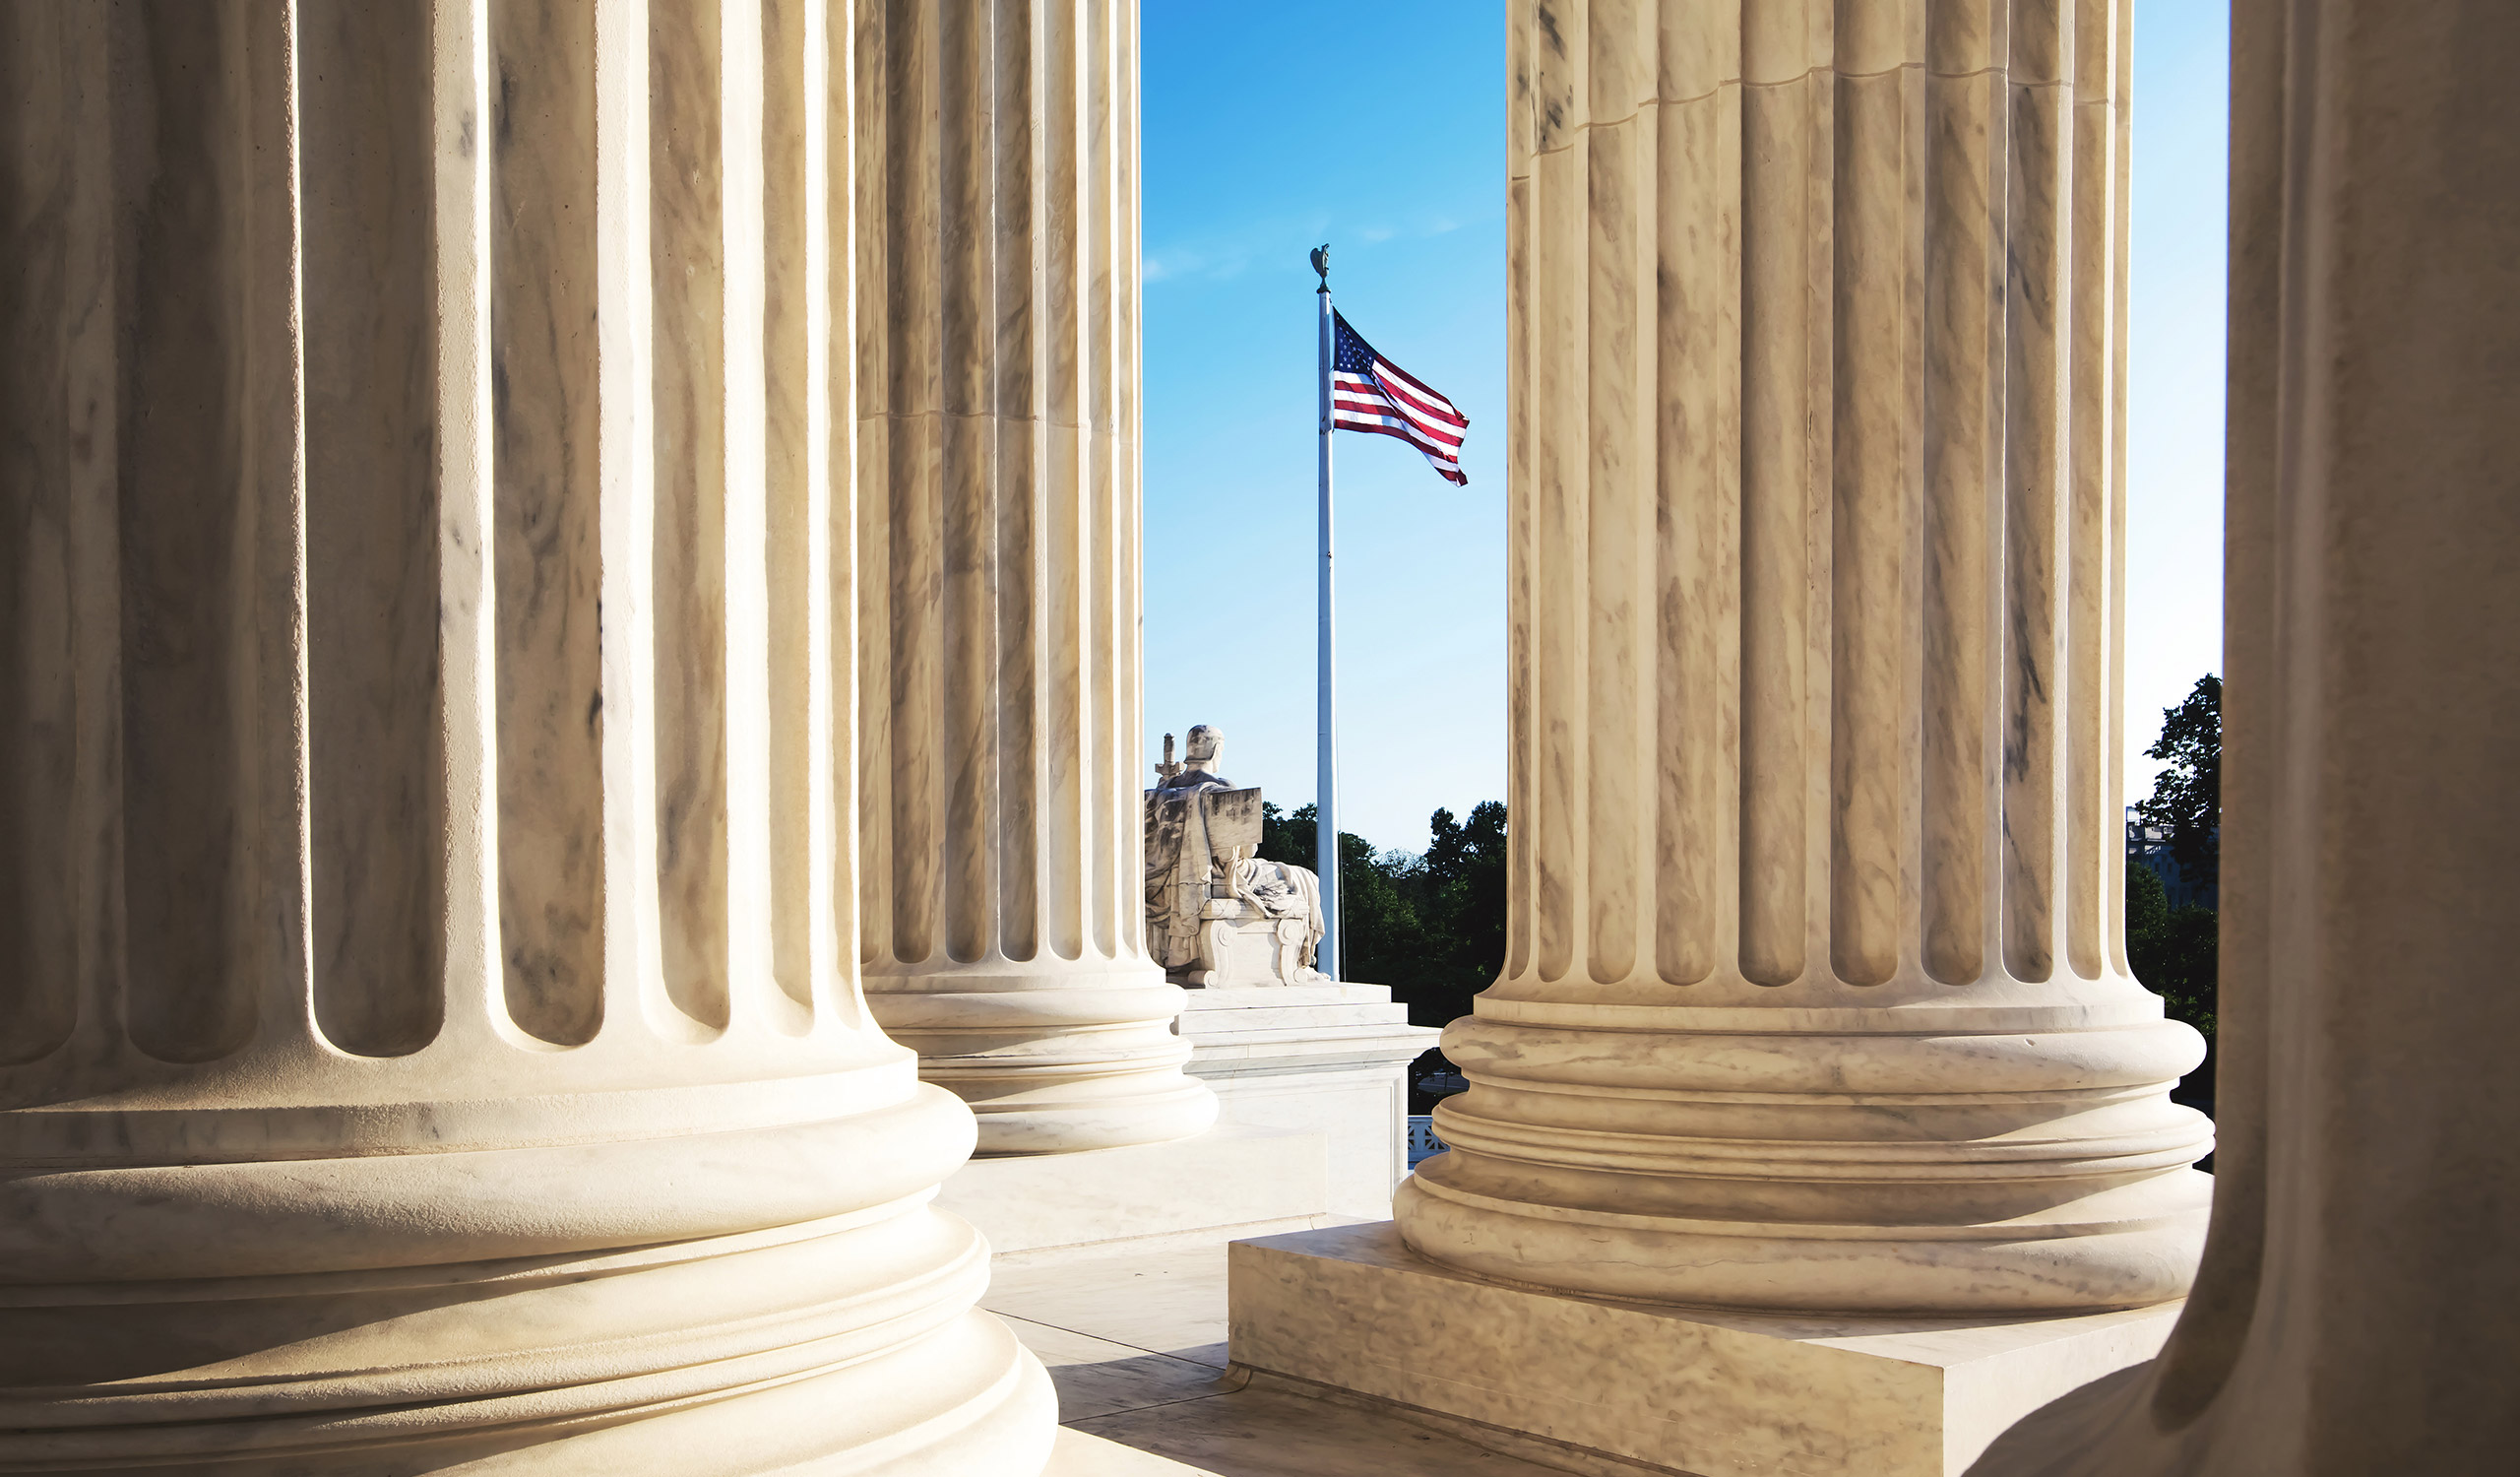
(1814, 995)
(1326, 1059)
(1234, 1176)
(1135, 1344)
(1715, 1394)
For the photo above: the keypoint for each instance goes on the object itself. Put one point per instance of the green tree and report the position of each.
(1287, 838)
(2171, 950)
(1463, 911)
(1430, 925)
(2186, 802)
(1382, 940)
(2175, 951)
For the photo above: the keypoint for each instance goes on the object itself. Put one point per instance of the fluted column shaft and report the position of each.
(1004, 928)
(2355, 1311)
(1816, 996)
(429, 1021)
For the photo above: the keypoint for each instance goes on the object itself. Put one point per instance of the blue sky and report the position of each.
(1380, 129)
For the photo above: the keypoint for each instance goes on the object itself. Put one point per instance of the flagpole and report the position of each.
(1326, 777)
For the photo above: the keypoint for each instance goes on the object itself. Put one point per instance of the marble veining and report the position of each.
(1000, 902)
(405, 625)
(1816, 649)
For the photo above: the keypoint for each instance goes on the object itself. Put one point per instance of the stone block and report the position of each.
(1697, 1392)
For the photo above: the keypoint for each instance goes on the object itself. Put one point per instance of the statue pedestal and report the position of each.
(1327, 1058)
(1242, 947)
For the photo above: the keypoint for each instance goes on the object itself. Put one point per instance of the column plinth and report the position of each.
(1816, 996)
(430, 1033)
(1004, 878)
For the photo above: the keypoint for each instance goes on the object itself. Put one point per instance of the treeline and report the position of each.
(2173, 950)
(1429, 925)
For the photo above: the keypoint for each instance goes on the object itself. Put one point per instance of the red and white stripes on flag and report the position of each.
(1370, 393)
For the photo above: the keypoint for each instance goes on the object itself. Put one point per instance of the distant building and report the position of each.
(2149, 845)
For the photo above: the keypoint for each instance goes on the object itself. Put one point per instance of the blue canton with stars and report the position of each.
(1354, 355)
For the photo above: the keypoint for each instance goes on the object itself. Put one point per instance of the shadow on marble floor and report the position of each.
(1136, 1344)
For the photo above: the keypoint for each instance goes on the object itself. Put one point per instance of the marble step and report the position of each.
(1197, 1022)
(1229, 996)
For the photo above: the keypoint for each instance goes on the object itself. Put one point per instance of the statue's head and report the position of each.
(1202, 746)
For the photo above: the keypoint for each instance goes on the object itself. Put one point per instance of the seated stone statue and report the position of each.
(1217, 916)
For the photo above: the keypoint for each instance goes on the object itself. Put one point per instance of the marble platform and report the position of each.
(1078, 1453)
(1604, 1386)
(1134, 1340)
(1233, 1179)
(1331, 1059)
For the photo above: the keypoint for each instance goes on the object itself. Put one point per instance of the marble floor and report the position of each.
(1136, 1344)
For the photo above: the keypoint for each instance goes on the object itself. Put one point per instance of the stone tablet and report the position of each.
(1233, 823)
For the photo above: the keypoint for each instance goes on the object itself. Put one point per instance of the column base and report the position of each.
(1050, 1061)
(768, 1297)
(1232, 1175)
(1683, 1390)
(1325, 1059)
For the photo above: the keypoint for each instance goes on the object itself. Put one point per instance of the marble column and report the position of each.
(1816, 996)
(2358, 1308)
(998, 378)
(429, 1024)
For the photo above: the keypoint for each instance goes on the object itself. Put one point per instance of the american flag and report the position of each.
(1370, 393)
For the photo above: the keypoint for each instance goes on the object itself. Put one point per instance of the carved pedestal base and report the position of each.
(1240, 945)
